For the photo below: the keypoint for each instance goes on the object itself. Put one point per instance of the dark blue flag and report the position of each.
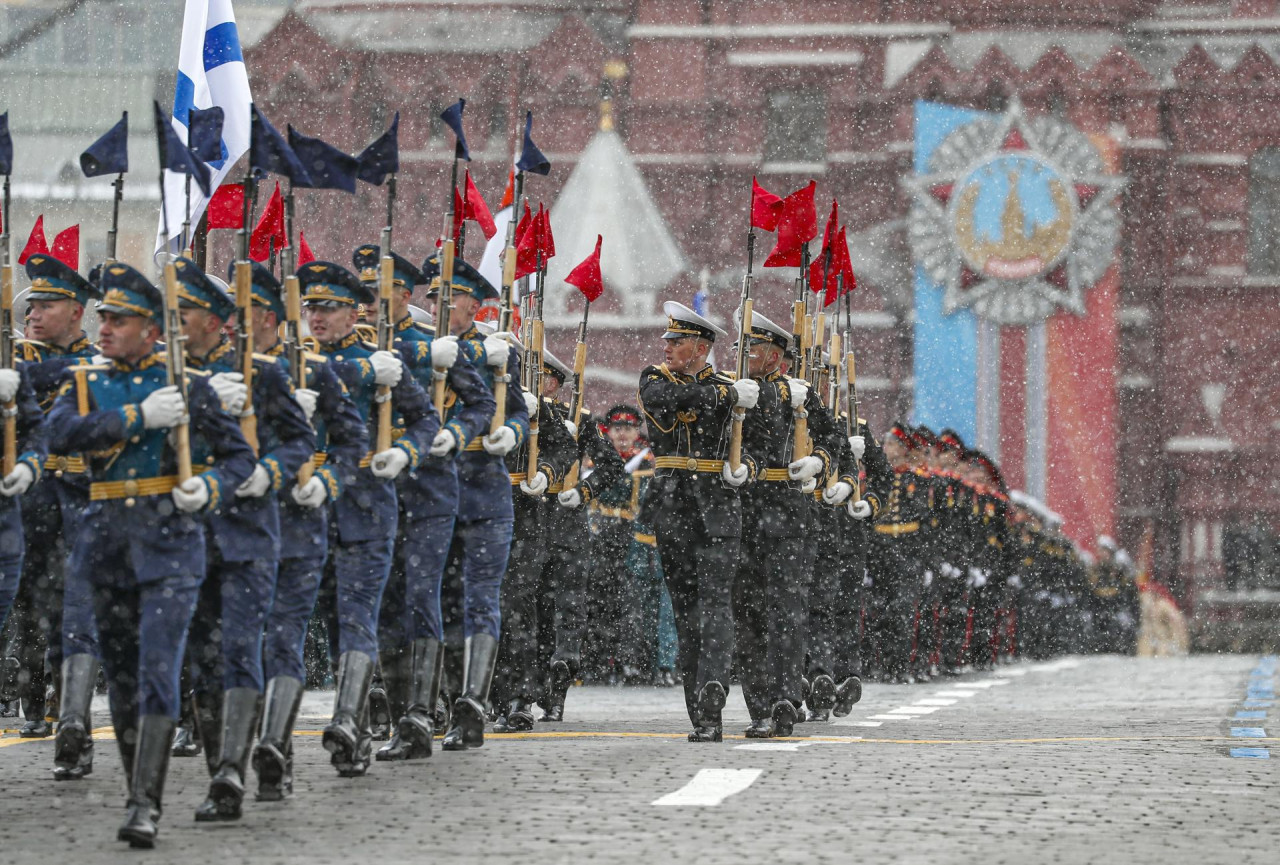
(270, 154)
(174, 155)
(6, 146)
(204, 133)
(382, 157)
(328, 166)
(452, 116)
(110, 153)
(531, 158)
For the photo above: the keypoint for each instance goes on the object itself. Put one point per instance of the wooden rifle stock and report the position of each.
(244, 345)
(575, 411)
(174, 339)
(500, 377)
(739, 415)
(852, 423)
(833, 393)
(6, 360)
(535, 379)
(296, 352)
(445, 305)
(386, 331)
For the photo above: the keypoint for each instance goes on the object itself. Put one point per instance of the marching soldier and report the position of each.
(362, 532)
(987, 573)
(694, 506)
(32, 440)
(953, 522)
(140, 543)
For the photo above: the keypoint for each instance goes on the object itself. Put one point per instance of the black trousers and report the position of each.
(517, 674)
(769, 610)
(836, 596)
(612, 633)
(37, 610)
(896, 585)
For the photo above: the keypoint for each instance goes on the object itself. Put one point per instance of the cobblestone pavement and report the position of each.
(1078, 760)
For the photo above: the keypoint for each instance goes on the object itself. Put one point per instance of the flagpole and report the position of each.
(244, 303)
(579, 375)
(10, 453)
(117, 193)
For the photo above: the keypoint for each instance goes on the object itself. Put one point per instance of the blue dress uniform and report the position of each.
(482, 532)
(144, 557)
(32, 453)
(410, 631)
(362, 534)
(243, 546)
(341, 443)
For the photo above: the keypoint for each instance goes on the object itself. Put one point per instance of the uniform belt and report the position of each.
(896, 529)
(64, 464)
(689, 464)
(366, 460)
(127, 489)
(651, 540)
(616, 513)
(555, 489)
(518, 478)
(476, 444)
(319, 459)
(774, 475)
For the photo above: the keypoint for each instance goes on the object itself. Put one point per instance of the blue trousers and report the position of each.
(143, 632)
(285, 636)
(483, 547)
(78, 634)
(226, 634)
(11, 549)
(411, 602)
(360, 570)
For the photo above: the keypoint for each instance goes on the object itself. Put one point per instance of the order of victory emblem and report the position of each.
(1016, 218)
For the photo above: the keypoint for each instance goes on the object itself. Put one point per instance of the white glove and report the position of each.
(496, 350)
(311, 494)
(570, 499)
(164, 408)
(231, 390)
(307, 399)
(9, 381)
(444, 351)
(949, 570)
(804, 468)
(19, 480)
(389, 463)
(836, 494)
(748, 391)
(858, 446)
(191, 495)
(536, 485)
(387, 368)
(257, 484)
(531, 405)
(799, 391)
(572, 428)
(500, 443)
(928, 578)
(738, 478)
(860, 509)
(444, 442)
(977, 578)
(809, 485)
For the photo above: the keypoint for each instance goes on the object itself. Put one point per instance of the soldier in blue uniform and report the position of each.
(16, 389)
(362, 532)
(410, 631)
(243, 541)
(342, 441)
(140, 543)
(482, 531)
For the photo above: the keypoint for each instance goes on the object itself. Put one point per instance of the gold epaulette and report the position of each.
(203, 373)
(266, 358)
(313, 357)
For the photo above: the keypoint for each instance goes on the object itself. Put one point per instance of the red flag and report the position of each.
(305, 255)
(530, 244)
(841, 266)
(270, 228)
(459, 211)
(226, 208)
(824, 265)
(765, 207)
(509, 195)
(66, 247)
(36, 242)
(797, 225)
(523, 225)
(477, 211)
(546, 241)
(586, 276)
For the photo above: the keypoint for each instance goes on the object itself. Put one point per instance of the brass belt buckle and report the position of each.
(693, 464)
(130, 488)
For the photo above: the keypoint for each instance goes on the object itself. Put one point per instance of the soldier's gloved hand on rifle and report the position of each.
(389, 463)
(257, 484)
(501, 442)
(531, 405)
(748, 391)
(977, 578)
(307, 399)
(570, 499)
(19, 480)
(496, 349)
(732, 478)
(859, 510)
(536, 485)
(387, 368)
(799, 391)
(164, 408)
(444, 442)
(9, 381)
(231, 390)
(192, 495)
(804, 468)
(311, 494)
(444, 351)
(571, 427)
(858, 447)
(836, 494)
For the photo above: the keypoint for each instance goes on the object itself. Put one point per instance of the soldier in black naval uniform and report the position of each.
(694, 506)
(140, 543)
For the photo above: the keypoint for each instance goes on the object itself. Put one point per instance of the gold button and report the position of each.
(61, 464)
(209, 461)
(136, 439)
(93, 376)
(133, 473)
(137, 379)
(130, 502)
(131, 488)
(58, 473)
(693, 464)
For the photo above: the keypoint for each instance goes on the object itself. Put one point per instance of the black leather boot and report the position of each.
(849, 692)
(345, 736)
(379, 708)
(711, 700)
(784, 718)
(519, 717)
(226, 792)
(469, 710)
(416, 729)
(186, 738)
(206, 709)
(150, 764)
(761, 728)
(73, 747)
(127, 742)
(397, 681)
(558, 682)
(272, 758)
(822, 696)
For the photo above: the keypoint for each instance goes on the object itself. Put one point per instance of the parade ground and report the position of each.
(1089, 759)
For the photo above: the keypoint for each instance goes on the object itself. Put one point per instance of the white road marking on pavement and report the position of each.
(770, 746)
(710, 787)
(849, 722)
(915, 710)
(956, 692)
(890, 717)
(935, 701)
(988, 683)
(1007, 673)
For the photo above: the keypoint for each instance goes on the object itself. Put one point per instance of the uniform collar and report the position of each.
(78, 345)
(276, 350)
(148, 361)
(705, 373)
(219, 351)
(406, 323)
(346, 342)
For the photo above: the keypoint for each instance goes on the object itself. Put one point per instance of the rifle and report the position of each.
(833, 389)
(386, 327)
(746, 317)
(802, 327)
(851, 379)
(533, 362)
(294, 351)
(173, 340)
(506, 304)
(6, 336)
(244, 319)
(575, 410)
